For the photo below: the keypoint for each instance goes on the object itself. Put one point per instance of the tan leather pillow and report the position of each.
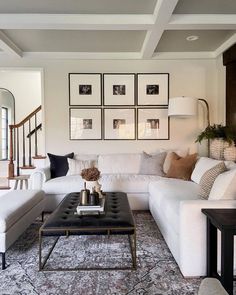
(182, 168)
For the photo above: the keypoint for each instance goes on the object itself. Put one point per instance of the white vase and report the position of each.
(230, 153)
(93, 185)
(217, 147)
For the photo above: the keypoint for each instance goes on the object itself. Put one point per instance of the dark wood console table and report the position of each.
(225, 221)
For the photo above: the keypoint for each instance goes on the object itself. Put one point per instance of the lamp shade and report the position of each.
(182, 106)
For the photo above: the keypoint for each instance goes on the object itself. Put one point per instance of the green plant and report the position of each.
(228, 133)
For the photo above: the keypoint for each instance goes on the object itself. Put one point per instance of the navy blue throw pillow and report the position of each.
(59, 164)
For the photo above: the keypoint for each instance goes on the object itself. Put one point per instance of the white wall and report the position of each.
(197, 78)
(26, 88)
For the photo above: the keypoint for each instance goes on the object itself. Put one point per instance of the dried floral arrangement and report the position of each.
(90, 174)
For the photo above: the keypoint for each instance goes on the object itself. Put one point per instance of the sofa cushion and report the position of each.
(16, 204)
(152, 164)
(129, 183)
(76, 166)
(59, 165)
(167, 193)
(224, 186)
(208, 178)
(87, 157)
(119, 163)
(202, 165)
(182, 168)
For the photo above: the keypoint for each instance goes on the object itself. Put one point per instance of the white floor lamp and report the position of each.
(184, 106)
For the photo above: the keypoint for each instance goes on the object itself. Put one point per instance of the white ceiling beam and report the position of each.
(77, 21)
(82, 55)
(161, 16)
(226, 45)
(8, 46)
(202, 22)
(184, 55)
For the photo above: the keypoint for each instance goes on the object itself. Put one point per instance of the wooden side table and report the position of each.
(225, 221)
(21, 180)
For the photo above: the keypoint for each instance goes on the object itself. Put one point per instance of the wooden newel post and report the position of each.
(11, 163)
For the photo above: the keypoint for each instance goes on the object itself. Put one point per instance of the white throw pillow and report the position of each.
(76, 166)
(202, 165)
(119, 163)
(169, 156)
(224, 187)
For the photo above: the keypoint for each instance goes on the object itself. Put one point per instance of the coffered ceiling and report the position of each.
(116, 29)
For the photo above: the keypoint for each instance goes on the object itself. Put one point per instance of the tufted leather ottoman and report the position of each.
(117, 220)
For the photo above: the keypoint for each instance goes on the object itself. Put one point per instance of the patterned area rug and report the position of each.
(157, 271)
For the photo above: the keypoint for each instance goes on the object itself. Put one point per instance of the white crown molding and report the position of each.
(77, 21)
(202, 22)
(162, 14)
(184, 55)
(8, 46)
(82, 55)
(227, 44)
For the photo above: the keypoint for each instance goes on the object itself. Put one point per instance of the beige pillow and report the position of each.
(182, 168)
(152, 164)
(208, 178)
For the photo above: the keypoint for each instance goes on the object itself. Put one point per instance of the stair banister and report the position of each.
(11, 142)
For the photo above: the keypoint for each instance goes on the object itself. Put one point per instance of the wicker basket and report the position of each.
(217, 147)
(230, 153)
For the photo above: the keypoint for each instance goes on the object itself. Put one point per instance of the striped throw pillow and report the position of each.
(208, 178)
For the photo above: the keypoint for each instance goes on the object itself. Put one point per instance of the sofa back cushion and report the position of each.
(202, 165)
(87, 157)
(76, 166)
(119, 163)
(152, 164)
(224, 187)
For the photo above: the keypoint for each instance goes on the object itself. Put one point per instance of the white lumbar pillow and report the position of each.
(203, 165)
(76, 166)
(224, 186)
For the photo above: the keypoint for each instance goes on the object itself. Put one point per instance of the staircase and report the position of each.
(24, 144)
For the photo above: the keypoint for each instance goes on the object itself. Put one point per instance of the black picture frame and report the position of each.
(126, 89)
(153, 89)
(85, 89)
(120, 116)
(88, 134)
(153, 124)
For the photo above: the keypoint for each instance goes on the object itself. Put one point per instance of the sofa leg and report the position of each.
(3, 261)
(42, 217)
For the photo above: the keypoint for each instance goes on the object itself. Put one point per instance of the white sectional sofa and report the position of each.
(174, 203)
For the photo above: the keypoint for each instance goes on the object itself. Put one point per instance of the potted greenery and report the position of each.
(221, 137)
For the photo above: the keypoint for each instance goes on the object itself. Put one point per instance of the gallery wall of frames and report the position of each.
(122, 106)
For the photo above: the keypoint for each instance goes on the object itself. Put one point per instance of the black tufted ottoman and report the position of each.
(117, 220)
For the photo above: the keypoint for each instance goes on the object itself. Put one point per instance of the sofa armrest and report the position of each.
(192, 233)
(39, 176)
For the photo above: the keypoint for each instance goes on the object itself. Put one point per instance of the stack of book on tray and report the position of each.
(91, 209)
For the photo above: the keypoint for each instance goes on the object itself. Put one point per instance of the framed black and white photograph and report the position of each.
(85, 124)
(85, 89)
(119, 89)
(153, 123)
(153, 89)
(119, 123)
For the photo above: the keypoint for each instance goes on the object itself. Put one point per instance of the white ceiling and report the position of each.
(116, 29)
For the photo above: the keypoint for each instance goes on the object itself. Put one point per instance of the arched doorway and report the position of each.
(7, 113)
